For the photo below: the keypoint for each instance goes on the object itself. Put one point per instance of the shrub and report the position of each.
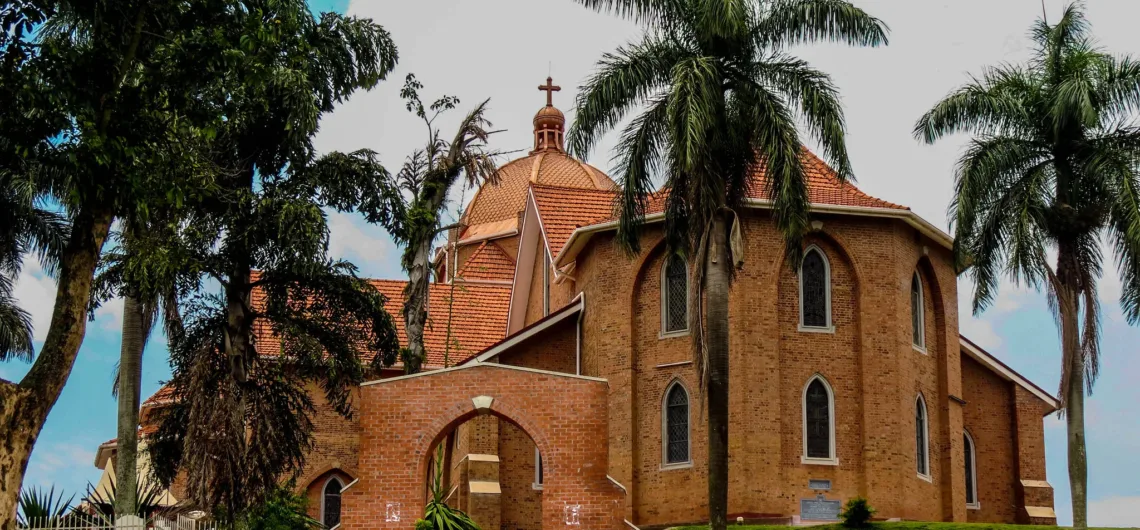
(437, 514)
(857, 513)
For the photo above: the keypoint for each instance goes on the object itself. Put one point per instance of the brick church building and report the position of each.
(564, 394)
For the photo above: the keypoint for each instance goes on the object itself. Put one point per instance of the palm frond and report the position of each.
(15, 326)
(787, 23)
(639, 160)
(991, 106)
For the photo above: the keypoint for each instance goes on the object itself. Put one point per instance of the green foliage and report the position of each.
(437, 514)
(283, 509)
(148, 497)
(902, 526)
(43, 507)
(857, 513)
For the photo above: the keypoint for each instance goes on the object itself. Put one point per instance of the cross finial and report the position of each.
(550, 89)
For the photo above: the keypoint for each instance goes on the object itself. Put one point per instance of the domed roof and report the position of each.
(495, 207)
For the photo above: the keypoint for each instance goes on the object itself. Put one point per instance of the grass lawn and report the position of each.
(893, 526)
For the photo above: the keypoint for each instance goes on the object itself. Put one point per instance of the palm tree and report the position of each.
(1052, 167)
(722, 97)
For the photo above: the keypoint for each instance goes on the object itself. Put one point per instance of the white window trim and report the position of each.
(538, 477)
(927, 476)
(665, 463)
(977, 504)
(830, 327)
(832, 459)
(921, 348)
(665, 300)
(326, 485)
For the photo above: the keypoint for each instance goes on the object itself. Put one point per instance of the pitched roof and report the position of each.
(564, 209)
(489, 262)
(823, 186)
(162, 396)
(478, 316)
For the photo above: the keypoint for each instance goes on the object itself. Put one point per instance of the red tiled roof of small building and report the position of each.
(162, 396)
(488, 263)
(478, 316)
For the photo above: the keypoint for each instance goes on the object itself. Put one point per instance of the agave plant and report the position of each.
(42, 508)
(148, 496)
(438, 515)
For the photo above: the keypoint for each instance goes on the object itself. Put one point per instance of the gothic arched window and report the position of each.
(921, 438)
(330, 502)
(674, 295)
(917, 322)
(819, 422)
(971, 471)
(815, 290)
(676, 424)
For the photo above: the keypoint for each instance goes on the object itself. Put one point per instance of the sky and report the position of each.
(504, 49)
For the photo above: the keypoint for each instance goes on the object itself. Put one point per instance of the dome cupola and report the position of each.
(549, 122)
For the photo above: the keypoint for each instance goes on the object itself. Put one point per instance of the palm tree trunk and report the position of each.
(130, 379)
(24, 407)
(1074, 399)
(716, 336)
(415, 305)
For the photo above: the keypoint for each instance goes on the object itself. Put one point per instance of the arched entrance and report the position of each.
(403, 419)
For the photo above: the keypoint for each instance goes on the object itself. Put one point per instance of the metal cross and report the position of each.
(550, 89)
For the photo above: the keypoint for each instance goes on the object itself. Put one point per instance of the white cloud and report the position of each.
(109, 316)
(357, 242)
(1115, 512)
(35, 293)
(48, 461)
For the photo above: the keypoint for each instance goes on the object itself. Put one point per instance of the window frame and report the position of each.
(833, 458)
(920, 308)
(546, 264)
(830, 326)
(665, 332)
(324, 487)
(539, 472)
(924, 473)
(972, 484)
(665, 463)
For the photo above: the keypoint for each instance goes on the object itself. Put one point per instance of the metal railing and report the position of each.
(83, 522)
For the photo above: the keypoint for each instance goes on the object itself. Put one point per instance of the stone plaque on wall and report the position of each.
(820, 509)
(819, 484)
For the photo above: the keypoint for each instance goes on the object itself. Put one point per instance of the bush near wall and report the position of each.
(897, 526)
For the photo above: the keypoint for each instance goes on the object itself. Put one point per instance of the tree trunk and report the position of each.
(1074, 395)
(24, 407)
(130, 379)
(716, 336)
(415, 306)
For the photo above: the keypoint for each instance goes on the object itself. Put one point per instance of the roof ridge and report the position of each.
(571, 188)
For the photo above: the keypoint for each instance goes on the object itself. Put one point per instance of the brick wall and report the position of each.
(990, 422)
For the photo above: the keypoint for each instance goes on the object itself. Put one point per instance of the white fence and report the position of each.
(84, 522)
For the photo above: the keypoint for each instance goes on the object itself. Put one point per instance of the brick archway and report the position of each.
(401, 420)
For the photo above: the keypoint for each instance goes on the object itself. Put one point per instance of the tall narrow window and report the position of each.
(819, 423)
(538, 474)
(676, 415)
(921, 438)
(674, 296)
(330, 502)
(545, 282)
(917, 324)
(971, 472)
(815, 291)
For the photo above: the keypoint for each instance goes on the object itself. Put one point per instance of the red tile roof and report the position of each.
(489, 262)
(479, 319)
(161, 397)
(562, 210)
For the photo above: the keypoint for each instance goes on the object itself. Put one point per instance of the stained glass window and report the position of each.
(677, 425)
(676, 295)
(817, 406)
(916, 323)
(971, 480)
(330, 512)
(920, 437)
(814, 287)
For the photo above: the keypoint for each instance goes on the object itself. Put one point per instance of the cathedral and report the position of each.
(563, 391)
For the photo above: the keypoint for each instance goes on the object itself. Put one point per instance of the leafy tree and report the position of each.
(722, 96)
(1053, 166)
(283, 509)
(254, 257)
(427, 175)
(97, 122)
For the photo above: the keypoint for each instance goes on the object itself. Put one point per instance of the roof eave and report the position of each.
(1005, 372)
(578, 238)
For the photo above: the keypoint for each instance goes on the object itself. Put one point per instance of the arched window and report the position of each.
(971, 472)
(539, 476)
(917, 322)
(676, 425)
(674, 296)
(921, 438)
(330, 502)
(815, 291)
(819, 423)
